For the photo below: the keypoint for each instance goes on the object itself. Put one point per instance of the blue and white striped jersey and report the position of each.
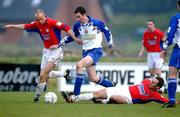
(173, 34)
(91, 33)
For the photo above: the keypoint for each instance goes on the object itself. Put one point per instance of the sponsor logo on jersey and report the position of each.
(88, 37)
(142, 90)
(58, 23)
(47, 30)
(46, 36)
(85, 31)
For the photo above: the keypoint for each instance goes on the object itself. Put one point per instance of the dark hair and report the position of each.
(40, 11)
(178, 2)
(80, 10)
(150, 20)
(161, 81)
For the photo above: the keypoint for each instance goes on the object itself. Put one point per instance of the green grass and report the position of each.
(19, 104)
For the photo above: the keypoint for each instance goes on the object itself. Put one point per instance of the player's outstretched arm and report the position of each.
(15, 26)
(70, 33)
(140, 54)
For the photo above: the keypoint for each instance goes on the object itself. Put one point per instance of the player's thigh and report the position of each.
(84, 62)
(95, 54)
(118, 99)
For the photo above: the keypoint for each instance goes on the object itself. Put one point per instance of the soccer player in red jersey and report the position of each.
(142, 93)
(50, 33)
(152, 39)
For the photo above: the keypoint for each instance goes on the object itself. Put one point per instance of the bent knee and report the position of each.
(79, 66)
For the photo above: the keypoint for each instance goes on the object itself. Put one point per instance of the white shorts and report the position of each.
(154, 60)
(51, 55)
(121, 91)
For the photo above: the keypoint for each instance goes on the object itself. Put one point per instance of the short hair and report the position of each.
(178, 2)
(150, 20)
(40, 11)
(161, 81)
(80, 10)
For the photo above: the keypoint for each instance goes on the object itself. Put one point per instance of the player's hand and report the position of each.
(163, 54)
(80, 42)
(7, 26)
(140, 54)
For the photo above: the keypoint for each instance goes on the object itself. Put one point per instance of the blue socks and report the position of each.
(104, 82)
(78, 83)
(172, 85)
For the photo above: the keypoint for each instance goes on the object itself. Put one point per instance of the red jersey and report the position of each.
(142, 94)
(50, 32)
(151, 40)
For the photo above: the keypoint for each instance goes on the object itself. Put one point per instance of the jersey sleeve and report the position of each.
(106, 31)
(144, 41)
(30, 26)
(75, 29)
(69, 39)
(160, 98)
(172, 30)
(60, 25)
(161, 34)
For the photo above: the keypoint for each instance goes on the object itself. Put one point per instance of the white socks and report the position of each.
(85, 96)
(55, 74)
(40, 88)
(105, 101)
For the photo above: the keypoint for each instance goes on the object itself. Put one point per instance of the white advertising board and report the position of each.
(122, 73)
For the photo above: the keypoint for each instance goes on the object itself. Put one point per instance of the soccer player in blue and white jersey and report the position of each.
(173, 36)
(89, 30)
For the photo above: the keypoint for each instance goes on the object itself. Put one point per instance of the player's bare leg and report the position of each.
(42, 83)
(158, 72)
(87, 61)
(101, 94)
(56, 74)
(152, 73)
(91, 70)
(117, 99)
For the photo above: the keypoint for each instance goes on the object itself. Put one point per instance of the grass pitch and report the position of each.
(20, 104)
